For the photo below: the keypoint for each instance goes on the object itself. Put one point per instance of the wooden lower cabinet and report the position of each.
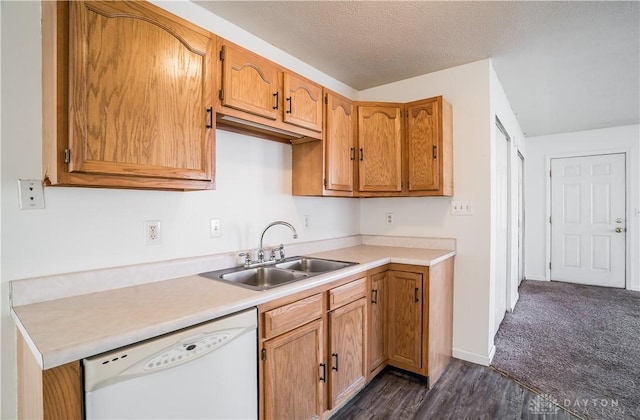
(294, 373)
(377, 310)
(404, 335)
(347, 327)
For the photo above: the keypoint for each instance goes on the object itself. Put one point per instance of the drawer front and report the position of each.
(288, 317)
(347, 293)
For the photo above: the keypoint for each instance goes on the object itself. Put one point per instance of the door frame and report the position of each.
(628, 220)
(522, 211)
(508, 286)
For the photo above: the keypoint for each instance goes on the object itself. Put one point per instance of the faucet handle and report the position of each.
(247, 258)
(281, 249)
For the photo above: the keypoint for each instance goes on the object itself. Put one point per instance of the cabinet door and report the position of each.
(423, 148)
(249, 83)
(294, 374)
(379, 143)
(348, 365)
(302, 102)
(340, 148)
(405, 319)
(140, 93)
(377, 310)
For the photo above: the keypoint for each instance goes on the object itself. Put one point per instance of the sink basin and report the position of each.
(274, 274)
(263, 277)
(313, 265)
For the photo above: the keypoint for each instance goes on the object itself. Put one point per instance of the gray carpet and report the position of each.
(578, 344)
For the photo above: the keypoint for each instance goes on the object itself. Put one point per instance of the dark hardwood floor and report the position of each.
(465, 391)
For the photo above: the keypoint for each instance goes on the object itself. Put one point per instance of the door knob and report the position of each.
(619, 230)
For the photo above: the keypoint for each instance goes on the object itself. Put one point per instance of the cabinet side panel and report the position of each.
(55, 99)
(447, 148)
(307, 169)
(440, 318)
(30, 405)
(62, 392)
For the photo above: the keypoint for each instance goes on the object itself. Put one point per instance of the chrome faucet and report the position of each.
(281, 247)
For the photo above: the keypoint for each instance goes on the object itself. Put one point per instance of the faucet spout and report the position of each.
(279, 222)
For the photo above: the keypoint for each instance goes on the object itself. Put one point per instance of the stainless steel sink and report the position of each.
(274, 274)
(313, 265)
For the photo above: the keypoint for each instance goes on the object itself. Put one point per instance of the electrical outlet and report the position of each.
(307, 221)
(461, 208)
(30, 194)
(152, 233)
(389, 218)
(214, 228)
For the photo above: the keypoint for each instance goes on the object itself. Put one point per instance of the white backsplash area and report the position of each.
(40, 289)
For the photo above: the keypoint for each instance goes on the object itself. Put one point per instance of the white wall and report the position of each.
(539, 149)
(83, 228)
(467, 88)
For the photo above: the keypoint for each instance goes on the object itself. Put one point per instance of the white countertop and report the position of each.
(68, 329)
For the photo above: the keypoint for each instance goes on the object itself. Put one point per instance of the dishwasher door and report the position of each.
(204, 372)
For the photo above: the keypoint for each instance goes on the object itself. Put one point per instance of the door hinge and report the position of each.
(549, 265)
(549, 173)
(67, 155)
(222, 54)
(221, 94)
(263, 356)
(549, 219)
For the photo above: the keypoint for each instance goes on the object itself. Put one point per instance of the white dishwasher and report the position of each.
(204, 372)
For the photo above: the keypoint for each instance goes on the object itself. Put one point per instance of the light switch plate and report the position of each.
(461, 208)
(214, 228)
(30, 194)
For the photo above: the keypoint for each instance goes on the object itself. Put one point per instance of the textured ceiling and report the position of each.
(565, 66)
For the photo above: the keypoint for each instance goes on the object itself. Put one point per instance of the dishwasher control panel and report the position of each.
(190, 349)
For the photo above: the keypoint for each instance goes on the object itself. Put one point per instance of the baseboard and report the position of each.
(515, 302)
(475, 357)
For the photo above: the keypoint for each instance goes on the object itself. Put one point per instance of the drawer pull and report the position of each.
(275, 95)
(323, 375)
(416, 295)
(374, 296)
(335, 364)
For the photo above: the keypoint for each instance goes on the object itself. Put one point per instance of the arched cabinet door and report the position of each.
(140, 97)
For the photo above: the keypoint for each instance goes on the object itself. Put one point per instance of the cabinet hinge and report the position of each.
(324, 182)
(326, 99)
(221, 94)
(263, 356)
(222, 54)
(67, 155)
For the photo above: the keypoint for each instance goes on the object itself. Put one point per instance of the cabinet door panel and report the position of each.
(292, 374)
(249, 83)
(140, 92)
(379, 142)
(303, 102)
(423, 148)
(340, 143)
(347, 361)
(377, 308)
(405, 318)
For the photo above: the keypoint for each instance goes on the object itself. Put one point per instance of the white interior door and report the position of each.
(588, 239)
(502, 225)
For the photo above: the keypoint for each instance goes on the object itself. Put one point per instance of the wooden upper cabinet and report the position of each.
(302, 102)
(249, 83)
(139, 108)
(340, 148)
(380, 148)
(258, 96)
(429, 147)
